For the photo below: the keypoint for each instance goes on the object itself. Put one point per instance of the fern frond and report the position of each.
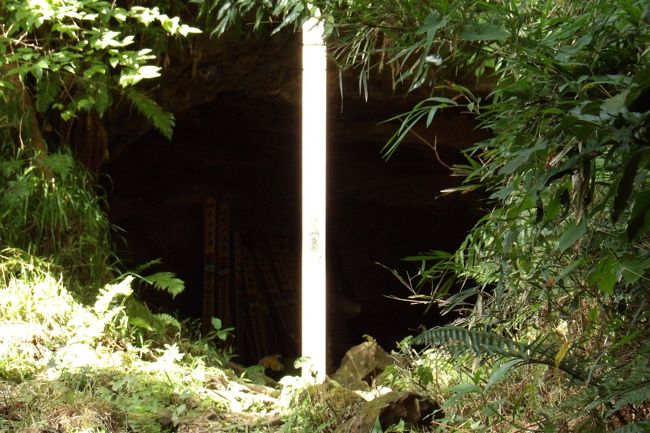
(110, 293)
(139, 315)
(166, 281)
(462, 340)
(633, 389)
(162, 120)
(487, 344)
(637, 427)
(635, 396)
(143, 267)
(167, 320)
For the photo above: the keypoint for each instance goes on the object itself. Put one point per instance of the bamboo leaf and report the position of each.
(500, 372)
(571, 235)
(605, 274)
(561, 353)
(483, 32)
(465, 388)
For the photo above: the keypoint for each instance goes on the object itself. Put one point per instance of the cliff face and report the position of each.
(237, 141)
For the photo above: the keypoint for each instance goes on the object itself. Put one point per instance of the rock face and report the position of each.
(361, 364)
(392, 409)
(237, 140)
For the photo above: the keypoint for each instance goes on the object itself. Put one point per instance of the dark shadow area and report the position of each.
(243, 152)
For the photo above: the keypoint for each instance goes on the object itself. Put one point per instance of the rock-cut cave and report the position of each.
(234, 159)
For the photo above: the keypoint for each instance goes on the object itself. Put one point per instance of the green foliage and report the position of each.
(89, 368)
(59, 219)
(488, 345)
(61, 60)
(162, 120)
(321, 407)
(77, 352)
(78, 57)
(221, 16)
(562, 260)
(167, 282)
(220, 332)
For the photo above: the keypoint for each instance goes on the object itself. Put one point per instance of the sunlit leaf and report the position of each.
(561, 353)
(149, 71)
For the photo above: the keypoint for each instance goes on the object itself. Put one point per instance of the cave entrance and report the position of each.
(236, 157)
(232, 164)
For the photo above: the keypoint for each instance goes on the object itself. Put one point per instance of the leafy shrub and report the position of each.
(556, 273)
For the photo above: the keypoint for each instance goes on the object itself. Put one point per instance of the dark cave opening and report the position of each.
(243, 151)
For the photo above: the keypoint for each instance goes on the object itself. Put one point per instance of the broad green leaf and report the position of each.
(102, 98)
(47, 92)
(605, 274)
(614, 105)
(522, 158)
(97, 68)
(483, 32)
(571, 234)
(185, 30)
(554, 206)
(634, 268)
(85, 103)
(561, 353)
(376, 427)
(465, 388)
(170, 24)
(149, 71)
(424, 374)
(432, 23)
(503, 192)
(37, 69)
(500, 372)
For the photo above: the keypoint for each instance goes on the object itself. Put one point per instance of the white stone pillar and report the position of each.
(314, 108)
